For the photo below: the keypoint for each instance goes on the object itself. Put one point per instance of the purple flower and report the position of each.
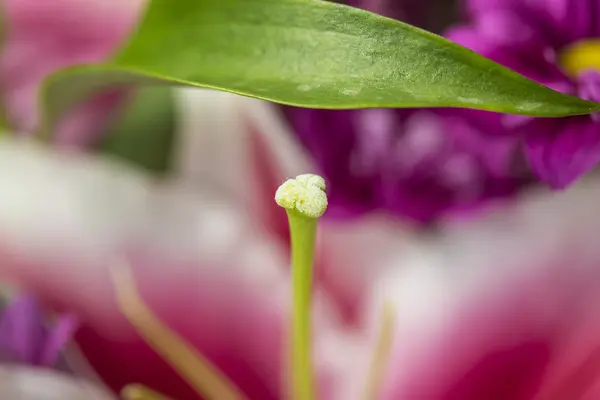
(419, 164)
(26, 337)
(400, 10)
(555, 43)
(433, 15)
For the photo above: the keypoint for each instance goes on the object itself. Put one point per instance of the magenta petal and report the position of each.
(589, 85)
(475, 7)
(389, 8)
(572, 19)
(22, 329)
(561, 151)
(56, 340)
(508, 28)
(563, 20)
(469, 37)
(25, 336)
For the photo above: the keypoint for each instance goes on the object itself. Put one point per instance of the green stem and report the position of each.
(303, 231)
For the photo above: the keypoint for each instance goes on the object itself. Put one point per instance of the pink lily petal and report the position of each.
(503, 309)
(43, 37)
(201, 265)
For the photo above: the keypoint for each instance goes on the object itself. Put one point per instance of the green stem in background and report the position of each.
(305, 201)
(197, 370)
(5, 123)
(6, 127)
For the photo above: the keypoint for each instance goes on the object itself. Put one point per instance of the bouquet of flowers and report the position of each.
(299, 199)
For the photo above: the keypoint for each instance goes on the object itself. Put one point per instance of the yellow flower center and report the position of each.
(580, 56)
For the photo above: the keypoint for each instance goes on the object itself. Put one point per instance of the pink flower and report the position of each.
(45, 36)
(507, 309)
(205, 265)
(501, 309)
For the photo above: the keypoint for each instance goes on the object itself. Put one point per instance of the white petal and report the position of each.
(26, 383)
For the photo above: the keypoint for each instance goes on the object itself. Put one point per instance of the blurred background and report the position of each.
(457, 259)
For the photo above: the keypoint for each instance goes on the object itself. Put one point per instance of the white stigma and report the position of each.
(305, 194)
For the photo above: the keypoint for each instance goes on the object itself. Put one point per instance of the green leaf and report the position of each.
(306, 53)
(144, 132)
